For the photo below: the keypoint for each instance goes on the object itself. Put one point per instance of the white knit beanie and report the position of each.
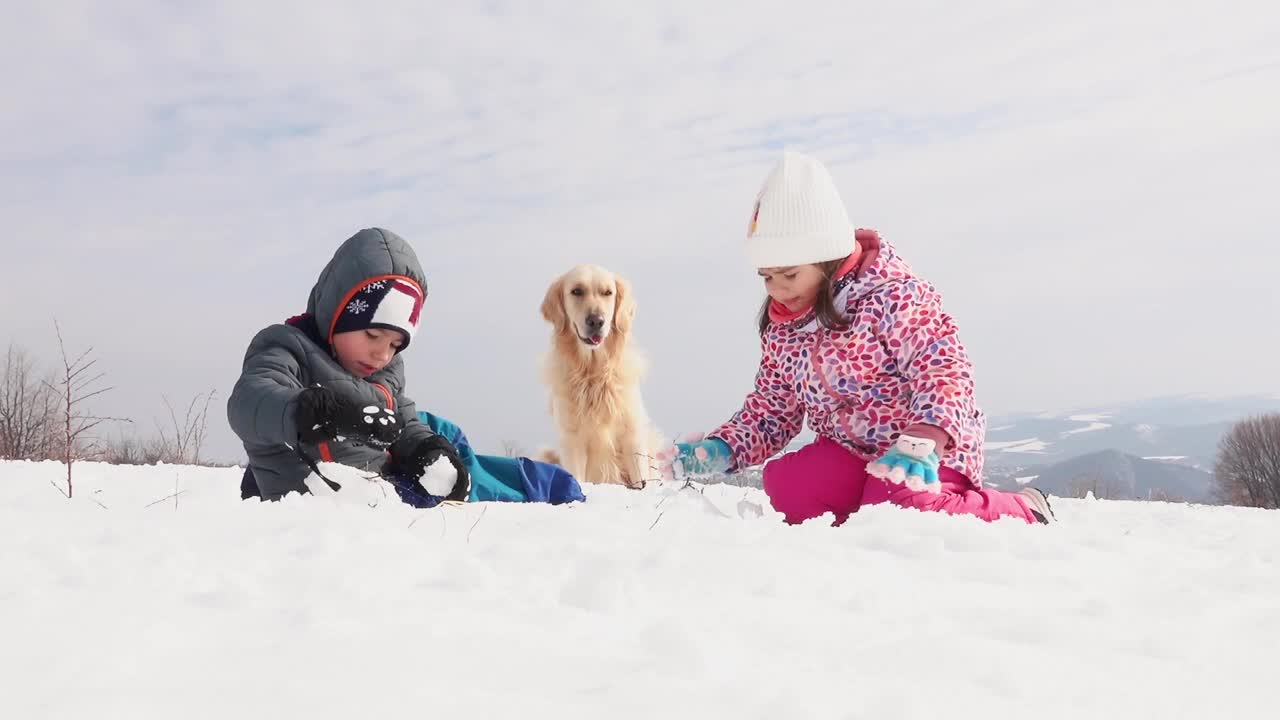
(798, 218)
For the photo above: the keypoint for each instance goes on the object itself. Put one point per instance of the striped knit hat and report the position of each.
(391, 303)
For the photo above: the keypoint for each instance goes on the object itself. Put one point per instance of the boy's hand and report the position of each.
(323, 414)
(412, 458)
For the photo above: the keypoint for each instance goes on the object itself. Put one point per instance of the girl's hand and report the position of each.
(667, 456)
(912, 461)
(694, 456)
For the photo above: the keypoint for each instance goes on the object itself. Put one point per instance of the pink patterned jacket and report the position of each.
(900, 362)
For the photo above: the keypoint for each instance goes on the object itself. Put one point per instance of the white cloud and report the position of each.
(1089, 184)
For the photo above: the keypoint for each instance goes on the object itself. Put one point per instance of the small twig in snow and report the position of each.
(655, 520)
(374, 478)
(96, 500)
(483, 510)
(444, 523)
(166, 497)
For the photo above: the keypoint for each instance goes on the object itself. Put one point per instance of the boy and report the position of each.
(329, 384)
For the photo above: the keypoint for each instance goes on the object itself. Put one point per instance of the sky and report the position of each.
(1090, 185)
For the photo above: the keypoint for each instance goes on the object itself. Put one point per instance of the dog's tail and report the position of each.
(548, 455)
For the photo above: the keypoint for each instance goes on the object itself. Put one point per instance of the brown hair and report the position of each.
(824, 305)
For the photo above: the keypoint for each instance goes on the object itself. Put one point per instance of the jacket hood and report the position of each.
(371, 254)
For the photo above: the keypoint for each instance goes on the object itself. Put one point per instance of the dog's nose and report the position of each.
(595, 323)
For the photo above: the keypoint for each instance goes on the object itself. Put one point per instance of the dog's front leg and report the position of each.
(575, 461)
(635, 460)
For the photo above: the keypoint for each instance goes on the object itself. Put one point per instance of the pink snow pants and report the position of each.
(825, 477)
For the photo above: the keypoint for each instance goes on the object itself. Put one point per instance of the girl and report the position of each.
(853, 340)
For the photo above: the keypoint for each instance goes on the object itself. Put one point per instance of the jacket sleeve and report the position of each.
(413, 427)
(278, 471)
(413, 430)
(924, 343)
(262, 403)
(770, 417)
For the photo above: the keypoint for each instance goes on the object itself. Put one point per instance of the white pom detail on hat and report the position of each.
(798, 217)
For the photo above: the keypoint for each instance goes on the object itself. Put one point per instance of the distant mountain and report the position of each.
(1114, 475)
(1158, 448)
(1185, 429)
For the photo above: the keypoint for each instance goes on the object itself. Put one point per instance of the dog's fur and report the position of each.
(605, 435)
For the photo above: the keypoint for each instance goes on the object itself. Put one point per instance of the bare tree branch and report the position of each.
(1247, 469)
(28, 415)
(77, 442)
(188, 435)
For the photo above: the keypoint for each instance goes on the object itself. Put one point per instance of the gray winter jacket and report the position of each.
(285, 358)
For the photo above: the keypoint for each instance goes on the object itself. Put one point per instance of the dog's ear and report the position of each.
(553, 306)
(624, 306)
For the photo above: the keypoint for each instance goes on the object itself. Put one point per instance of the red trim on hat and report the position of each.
(333, 322)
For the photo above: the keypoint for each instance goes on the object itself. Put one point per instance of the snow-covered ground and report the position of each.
(662, 603)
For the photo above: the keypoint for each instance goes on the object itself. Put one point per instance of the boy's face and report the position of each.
(365, 352)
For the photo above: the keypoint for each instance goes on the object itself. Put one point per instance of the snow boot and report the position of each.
(1038, 503)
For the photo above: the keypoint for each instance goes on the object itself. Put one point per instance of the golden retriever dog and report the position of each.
(593, 375)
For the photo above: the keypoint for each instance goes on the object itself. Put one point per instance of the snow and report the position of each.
(1030, 445)
(1091, 427)
(1094, 423)
(659, 603)
(1168, 458)
(1025, 479)
(1088, 428)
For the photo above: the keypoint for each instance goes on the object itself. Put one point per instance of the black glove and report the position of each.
(412, 457)
(323, 414)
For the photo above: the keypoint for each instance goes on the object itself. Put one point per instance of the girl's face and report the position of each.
(796, 288)
(365, 352)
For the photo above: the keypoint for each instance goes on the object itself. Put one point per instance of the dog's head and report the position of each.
(590, 305)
